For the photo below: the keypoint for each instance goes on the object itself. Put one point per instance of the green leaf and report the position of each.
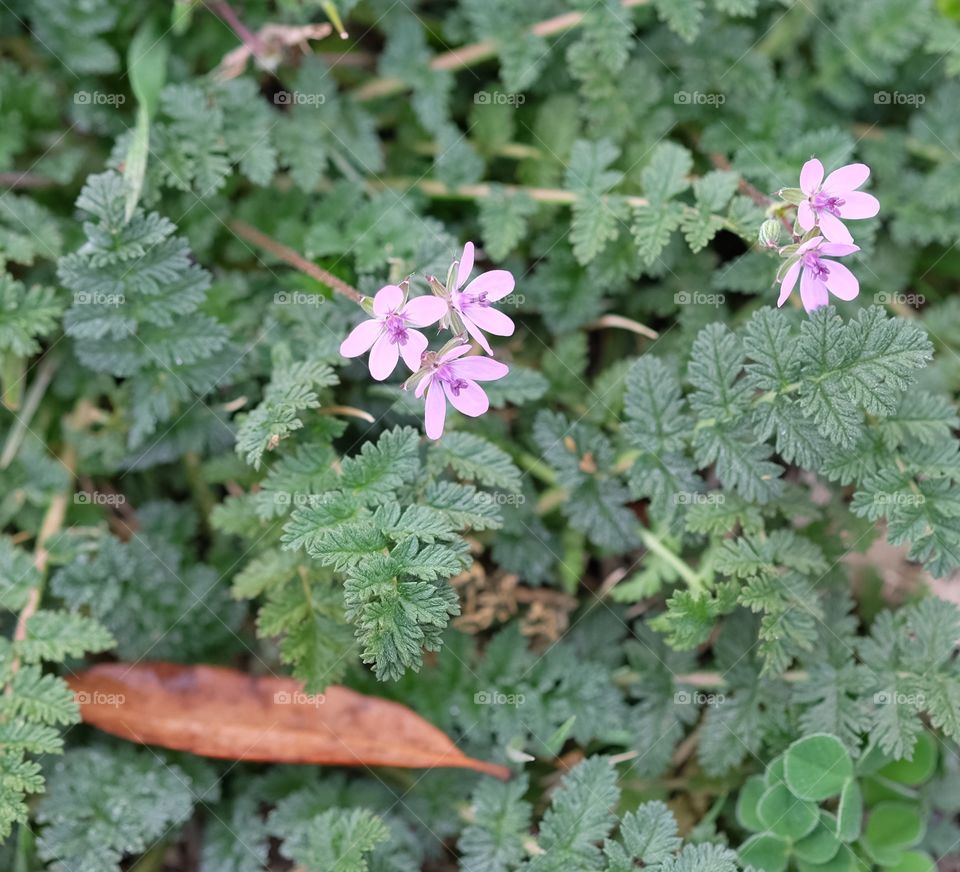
(650, 833)
(101, 806)
(652, 227)
(503, 220)
(894, 825)
(765, 851)
(579, 816)
(822, 844)
(494, 839)
(817, 767)
(666, 174)
(850, 811)
(147, 71)
(474, 458)
(785, 815)
(748, 799)
(919, 767)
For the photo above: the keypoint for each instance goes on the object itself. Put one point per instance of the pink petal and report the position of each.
(789, 280)
(833, 229)
(810, 176)
(813, 292)
(423, 311)
(492, 320)
(435, 410)
(805, 216)
(388, 299)
(411, 350)
(846, 178)
(361, 338)
(422, 385)
(837, 249)
(496, 283)
(811, 243)
(454, 353)
(475, 332)
(480, 368)
(471, 400)
(859, 204)
(466, 264)
(841, 282)
(383, 358)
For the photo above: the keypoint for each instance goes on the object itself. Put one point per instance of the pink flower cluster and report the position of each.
(447, 374)
(821, 203)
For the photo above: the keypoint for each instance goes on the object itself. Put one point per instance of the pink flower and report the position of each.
(389, 332)
(818, 276)
(829, 200)
(448, 375)
(472, 304)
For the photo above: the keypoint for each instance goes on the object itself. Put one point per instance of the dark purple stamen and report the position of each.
(457, 385)
(397, 330)
(474, 299)
(812, 262)
(825, 203)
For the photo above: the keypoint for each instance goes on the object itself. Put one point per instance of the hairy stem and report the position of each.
(297, 261)
(49, 527)
(467, 55)
(683, 569)
(247, 36)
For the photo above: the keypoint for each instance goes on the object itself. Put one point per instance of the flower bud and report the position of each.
(792, 195)
(769, 236)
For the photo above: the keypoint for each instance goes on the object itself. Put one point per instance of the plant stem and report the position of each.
(624, 324)
(692, 578)
(536, 467)
(52, 522)
(465, 56)
(281, 251)
(247, 36)
(482, 190)
(26, 181)
(705, 678)
(32, 400)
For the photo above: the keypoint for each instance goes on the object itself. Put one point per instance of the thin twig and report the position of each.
(247, 36)
(624, 324)
(297, 261)
(467, 55)
(32, 400)
(26, 181)
(482, 190)
(52, 522)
